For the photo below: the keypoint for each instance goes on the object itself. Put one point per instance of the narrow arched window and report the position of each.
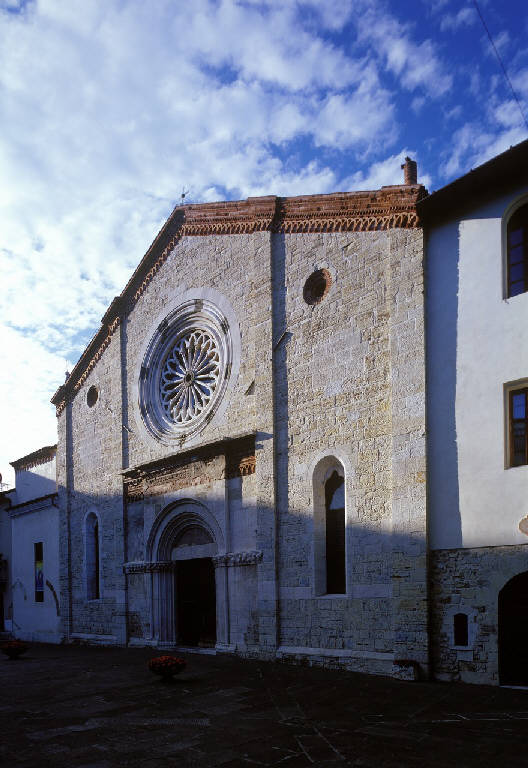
(460, 628)
(517, 252)
(92, 557)
(335, 534)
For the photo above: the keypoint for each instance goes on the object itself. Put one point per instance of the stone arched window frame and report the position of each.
(93, 582)
(321, 473)
(509, 213)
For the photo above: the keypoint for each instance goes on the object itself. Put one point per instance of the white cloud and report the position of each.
(501, 125)
(27, 384)
(464, 18)
(417, 104)
(501, 42)
(414, 64)
(472, 146)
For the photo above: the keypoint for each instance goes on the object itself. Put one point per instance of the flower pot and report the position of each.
(166, 666)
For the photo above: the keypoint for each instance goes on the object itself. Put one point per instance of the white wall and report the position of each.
(35, 482)
(32, 620)
(476, 342)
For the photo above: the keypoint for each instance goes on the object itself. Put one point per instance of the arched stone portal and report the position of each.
(513, 631)
(187, 598)
(195, 590)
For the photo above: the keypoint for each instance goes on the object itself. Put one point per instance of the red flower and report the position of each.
(166, 665)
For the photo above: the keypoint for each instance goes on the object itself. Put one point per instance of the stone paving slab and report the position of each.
(95, 707)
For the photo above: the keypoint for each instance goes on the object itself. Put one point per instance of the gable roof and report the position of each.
(387, 208)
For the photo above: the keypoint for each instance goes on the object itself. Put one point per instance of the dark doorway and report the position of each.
(513, 631)
(196, 602)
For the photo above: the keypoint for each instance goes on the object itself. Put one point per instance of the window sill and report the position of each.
(330, 596)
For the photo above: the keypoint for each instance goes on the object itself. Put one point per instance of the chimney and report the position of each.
(410, 171)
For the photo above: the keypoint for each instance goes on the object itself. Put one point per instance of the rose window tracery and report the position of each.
(190, 376)
(185, 371)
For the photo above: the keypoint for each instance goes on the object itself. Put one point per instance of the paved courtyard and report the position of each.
(102, 707)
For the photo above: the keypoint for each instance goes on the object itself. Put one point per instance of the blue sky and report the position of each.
(109, 108)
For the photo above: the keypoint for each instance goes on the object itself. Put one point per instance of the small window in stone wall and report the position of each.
(39, 571)
(92, 557)
(460, 629)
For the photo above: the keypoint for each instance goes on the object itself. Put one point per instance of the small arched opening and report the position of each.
(329, 527)
(513, 631)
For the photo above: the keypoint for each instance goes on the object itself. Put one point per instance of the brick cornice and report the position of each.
(387, 208)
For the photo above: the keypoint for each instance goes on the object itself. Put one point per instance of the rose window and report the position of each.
(185, 371)
(190, 376)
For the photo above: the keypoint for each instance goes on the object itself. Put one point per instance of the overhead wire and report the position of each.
(501, 63)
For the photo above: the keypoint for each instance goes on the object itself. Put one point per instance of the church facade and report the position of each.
(241, 448)
(274, 445)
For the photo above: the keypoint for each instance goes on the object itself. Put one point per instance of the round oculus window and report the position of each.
(317, 286)
(92, 396)
(185, 371)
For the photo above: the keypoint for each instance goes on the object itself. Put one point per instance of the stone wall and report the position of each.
(469, 581)
(349, 379)
(90, 443)
(343, 378)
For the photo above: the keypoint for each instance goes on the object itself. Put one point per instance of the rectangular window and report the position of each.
(39, 572)
(517, 248)
(518, 427)
(460, 629)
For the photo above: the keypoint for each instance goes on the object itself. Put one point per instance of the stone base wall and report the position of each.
(468, 581)
(338, 623)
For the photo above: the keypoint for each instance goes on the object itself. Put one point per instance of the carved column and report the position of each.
(222, 603)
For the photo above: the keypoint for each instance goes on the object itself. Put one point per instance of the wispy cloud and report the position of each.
(465, 17)
(414, 64)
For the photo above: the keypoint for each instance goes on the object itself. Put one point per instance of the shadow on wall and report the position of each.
(441, 368)
(357, 628)
(31, 485)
